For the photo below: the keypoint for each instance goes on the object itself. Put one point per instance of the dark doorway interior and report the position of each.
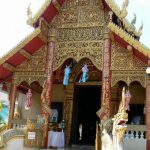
(136, 114)
(86, 104)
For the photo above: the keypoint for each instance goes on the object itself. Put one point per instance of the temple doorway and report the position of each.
(86, 104)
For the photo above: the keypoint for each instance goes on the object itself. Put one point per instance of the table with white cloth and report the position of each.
(55, 139)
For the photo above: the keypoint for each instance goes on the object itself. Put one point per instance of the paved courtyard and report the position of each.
(75, 147)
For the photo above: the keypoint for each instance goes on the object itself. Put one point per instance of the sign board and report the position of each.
(31, 135)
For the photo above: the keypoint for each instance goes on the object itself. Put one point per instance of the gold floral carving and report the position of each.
(32, 69)
(122, 59)
(79, 28)
(80, 34)
(29, 77)
(80, 17)
(128, 77)
(94, 54)
(126, 67)
(68, 3)
(75, 3)
(35, 63)
(79, 43)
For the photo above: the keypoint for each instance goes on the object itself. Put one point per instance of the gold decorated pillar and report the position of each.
(12, 99)
(46, 103)
(68, 109)
(148, 111)
(106, 74)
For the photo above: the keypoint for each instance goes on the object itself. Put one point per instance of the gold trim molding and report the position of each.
(29, 77)
(129, 39)
(128, 77)
(24, 53)
(56, 5)
(9, 67)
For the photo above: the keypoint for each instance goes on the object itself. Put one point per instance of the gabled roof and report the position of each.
(20, 53)
(48, 10)
(33, 42)
(51, 7)
(140, 50)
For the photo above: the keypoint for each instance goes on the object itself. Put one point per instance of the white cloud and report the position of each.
(143, 2)
(13, 27)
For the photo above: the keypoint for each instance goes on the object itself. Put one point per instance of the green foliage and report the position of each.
(1, 120)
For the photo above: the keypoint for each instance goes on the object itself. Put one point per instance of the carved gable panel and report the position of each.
(75, 3)
(81, 13)
(79, 32)
(122, 59)
(91, 50)
(35, 63)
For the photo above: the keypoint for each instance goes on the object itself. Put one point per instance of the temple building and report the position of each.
(77, 33)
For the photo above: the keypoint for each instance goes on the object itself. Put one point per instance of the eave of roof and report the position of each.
(20, 53)
(115, 8)
(129, 39)
(44, 10)
(40, 12)
(20, 45)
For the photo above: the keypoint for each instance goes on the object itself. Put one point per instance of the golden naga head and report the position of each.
(120, 119)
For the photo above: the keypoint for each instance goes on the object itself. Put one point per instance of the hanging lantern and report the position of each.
(28, 100)
(66, 75)
(127, 98)
(84, 76)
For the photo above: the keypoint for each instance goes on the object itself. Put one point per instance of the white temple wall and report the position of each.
(35, 107)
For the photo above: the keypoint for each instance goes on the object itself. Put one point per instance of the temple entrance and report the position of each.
(86, 103)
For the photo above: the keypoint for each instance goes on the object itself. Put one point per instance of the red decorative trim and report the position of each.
(12, 98)
(106, 75)
(48, 86)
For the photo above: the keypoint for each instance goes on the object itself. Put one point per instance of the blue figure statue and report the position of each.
(66, 75)
(84, 74)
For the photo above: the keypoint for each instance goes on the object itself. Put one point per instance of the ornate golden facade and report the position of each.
(78, 31)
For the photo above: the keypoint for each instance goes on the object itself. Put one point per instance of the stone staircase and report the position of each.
(82, 147)
(74, 147)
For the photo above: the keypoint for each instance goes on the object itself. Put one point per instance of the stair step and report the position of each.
(82, 147)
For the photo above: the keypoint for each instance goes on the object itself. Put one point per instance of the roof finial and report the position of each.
(140, 29)
(134, 19)
(124, 12)
(29, 11)
(29, 15)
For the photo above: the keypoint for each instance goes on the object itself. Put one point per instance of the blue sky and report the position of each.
(13, 16)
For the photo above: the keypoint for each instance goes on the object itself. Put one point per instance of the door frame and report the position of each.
(74, 126)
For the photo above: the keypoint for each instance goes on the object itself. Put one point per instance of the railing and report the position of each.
(2, 130)
(135, 137)
(135, 132)
(20, 123)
